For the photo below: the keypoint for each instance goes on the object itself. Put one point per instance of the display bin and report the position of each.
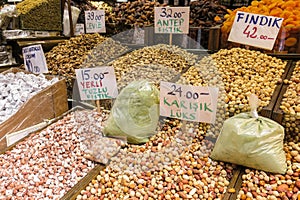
(197, 38)
(40, 15)
(287, 42)
(48, 103)
(290, 121)
(34, 130)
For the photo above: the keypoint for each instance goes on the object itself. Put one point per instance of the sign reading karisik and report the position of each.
(255, 30)
(172, 20)
(191, 103)
(97, 83)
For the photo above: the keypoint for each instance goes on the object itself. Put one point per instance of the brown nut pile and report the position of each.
(174, 164)
(69, 55)
(290, 105)
(46, 164)
(168, 56)
(42, 15)
(243, 72)
(206, 13)
(261, 186)
(104, 52)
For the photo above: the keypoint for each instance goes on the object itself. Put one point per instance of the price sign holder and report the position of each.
(96, 84)
(34, 59)
(95, 21)
(191, 103)
(171, 20)
(255, 30)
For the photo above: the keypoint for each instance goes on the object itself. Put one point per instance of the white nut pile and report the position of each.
(17, 88)
(46, 164)
(290, 105)
(262, 186)
(174, 164)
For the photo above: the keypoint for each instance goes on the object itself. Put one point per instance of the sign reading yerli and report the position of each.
(95, 21)
(97, 83)
(255, 30)
(172, 20)
(192, 103)
(34, 59)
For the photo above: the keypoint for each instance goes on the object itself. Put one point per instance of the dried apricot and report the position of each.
(289, 42)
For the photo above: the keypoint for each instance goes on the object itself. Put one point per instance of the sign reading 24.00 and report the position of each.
(191, 103)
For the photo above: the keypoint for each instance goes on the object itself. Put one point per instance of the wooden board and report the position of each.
(234, 183)
(49, 103)
(268, 110)
(277, 114)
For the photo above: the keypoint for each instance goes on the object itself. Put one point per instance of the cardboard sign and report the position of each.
(95, 21)
(191, 103)
(34, 59)
(97, 83)
(79, 29)
(255, 30)
(173, 20)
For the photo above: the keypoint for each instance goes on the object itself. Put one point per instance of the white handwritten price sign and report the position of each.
(172, 20)
(97, 83)
(79, 29)
(191, 103)
(34, 59)
(255, 30)
(95, 21)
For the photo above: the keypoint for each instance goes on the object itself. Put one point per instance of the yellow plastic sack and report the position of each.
(252, 141)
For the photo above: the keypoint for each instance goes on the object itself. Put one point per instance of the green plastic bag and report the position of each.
(135, 113)
(252, 141)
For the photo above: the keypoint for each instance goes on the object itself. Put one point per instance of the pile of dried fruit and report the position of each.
(290, 105)
(289, 34)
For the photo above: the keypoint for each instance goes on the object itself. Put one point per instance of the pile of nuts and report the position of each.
(69, 55)
(47, 163)
(174, 164)
(242, 72)
(171, 57)
(290, 105)
(17, 88)
(260, 185)
(104, 52)
(289, 34)
(42, 15)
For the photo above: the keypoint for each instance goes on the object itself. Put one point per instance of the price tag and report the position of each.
(79, 29)
(191, 103)
(172, 20)
(95, 21)
(255, 30)
(97, 83)
(34, 59)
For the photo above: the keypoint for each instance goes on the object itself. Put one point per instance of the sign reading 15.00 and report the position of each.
(97, 83)
(192, 103)
(95, 21)
(172, 20)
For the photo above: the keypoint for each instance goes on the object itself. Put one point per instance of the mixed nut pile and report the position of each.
(260, 185)
(290, 105)
(17, 88)
(174, 164)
